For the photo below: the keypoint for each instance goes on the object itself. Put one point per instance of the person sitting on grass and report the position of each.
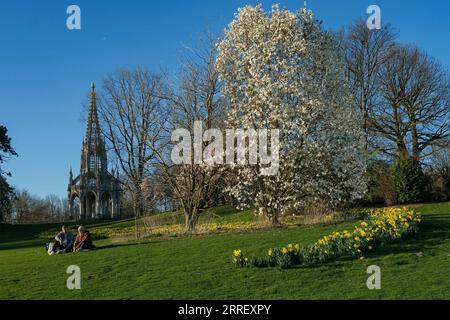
(83, 240)
(64, 242)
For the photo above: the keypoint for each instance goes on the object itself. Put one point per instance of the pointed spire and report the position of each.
(70, 175)
(94, 156)
(93, 102)
(93, 125)
(304, 4)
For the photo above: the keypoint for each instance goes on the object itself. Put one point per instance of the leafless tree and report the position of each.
(426, 90)
(32, 209)
(55, 207)
(414, 112)
(132, 116)
(194, 97)
(365, 52)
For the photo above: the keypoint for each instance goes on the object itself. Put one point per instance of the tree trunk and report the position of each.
(415, 141)
(191, 217)
(274, 220)
(138, 211)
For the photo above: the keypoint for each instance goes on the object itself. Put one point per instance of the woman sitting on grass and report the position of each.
(83, 240)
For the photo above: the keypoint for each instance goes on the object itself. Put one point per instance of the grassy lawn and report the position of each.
(200, 267)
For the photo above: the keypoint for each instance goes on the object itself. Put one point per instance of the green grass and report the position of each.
(200, 267)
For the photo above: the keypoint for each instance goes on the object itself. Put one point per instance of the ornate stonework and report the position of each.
(98, 190)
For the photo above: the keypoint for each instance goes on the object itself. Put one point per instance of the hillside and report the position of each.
(199, 267)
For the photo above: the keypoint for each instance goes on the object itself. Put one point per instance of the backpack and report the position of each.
(49, 247)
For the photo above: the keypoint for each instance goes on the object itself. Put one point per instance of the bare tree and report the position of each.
(194, 98)
(425, 87)
(415, 109)
(365, 52)
(132, 117)
(33, 209)
(387, 119)
(55, 207)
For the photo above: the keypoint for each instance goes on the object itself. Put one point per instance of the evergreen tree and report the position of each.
(408, 180)
(6, 191)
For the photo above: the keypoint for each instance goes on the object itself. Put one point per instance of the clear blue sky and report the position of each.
(46, 70)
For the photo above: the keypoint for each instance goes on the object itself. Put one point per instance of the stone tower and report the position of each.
(97, 190)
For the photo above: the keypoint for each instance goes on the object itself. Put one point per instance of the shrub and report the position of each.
(408, 180)
(380, 186)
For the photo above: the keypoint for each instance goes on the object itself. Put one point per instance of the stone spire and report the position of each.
(94, 153)
(93, 129)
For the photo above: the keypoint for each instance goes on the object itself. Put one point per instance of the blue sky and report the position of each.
(46, 70)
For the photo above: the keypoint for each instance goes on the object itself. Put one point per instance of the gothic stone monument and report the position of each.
(97, 190)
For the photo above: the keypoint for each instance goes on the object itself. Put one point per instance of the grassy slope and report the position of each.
(200, 267)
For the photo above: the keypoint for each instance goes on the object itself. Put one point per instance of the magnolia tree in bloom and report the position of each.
(280, 70)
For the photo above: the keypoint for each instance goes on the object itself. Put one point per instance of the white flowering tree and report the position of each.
(282, 71)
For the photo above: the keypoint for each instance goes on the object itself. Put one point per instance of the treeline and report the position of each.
(33, 209)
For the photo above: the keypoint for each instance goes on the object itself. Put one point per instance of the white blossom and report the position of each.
(282, 71)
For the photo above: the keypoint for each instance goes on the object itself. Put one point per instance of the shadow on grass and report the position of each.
(117, 245)
(434, 231)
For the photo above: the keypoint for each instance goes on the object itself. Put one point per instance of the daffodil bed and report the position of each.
(379, 227)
